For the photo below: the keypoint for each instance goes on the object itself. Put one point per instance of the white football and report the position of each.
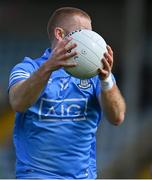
(90, 48)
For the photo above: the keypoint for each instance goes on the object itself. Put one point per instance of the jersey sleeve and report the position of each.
(22, 71)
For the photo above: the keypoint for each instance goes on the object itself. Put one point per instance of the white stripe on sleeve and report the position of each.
(18, 74)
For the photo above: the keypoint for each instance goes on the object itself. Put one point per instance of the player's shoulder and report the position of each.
(36, 62)
(28, 63)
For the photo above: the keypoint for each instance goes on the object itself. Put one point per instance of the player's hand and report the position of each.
(61, 53)
(107, 64)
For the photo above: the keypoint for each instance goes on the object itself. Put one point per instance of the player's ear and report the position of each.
(59, 33)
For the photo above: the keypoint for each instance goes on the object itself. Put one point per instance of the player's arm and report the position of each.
(24, 93)
(112, 101)
(113, 105)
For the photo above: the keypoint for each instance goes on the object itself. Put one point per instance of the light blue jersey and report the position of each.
(55, 137)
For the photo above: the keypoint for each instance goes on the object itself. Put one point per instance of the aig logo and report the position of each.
(63, 110)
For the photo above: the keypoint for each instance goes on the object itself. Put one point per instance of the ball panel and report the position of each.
(94, 37)
(88, 51)
(90, 48)
(98, 48)
(87, 61)
(84, 70)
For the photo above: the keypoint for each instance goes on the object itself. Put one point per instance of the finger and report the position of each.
(106, 65)
(69, 64)
(109, 50)
(103, 73)
(63, 42)
(108, 58)
(67, 40)
(68, 55)
(68, 48)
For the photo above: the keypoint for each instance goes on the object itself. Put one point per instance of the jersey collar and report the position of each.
(46, 53)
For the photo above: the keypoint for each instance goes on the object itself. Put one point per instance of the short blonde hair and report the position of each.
(59, 15)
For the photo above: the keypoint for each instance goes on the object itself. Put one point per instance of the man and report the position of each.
(57, 119)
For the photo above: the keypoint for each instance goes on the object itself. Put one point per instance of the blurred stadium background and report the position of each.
(124, 151)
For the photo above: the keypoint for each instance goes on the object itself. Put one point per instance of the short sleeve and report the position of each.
(22, 71)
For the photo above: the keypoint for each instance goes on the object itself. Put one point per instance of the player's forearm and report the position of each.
(25, 93)
(114, 105)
